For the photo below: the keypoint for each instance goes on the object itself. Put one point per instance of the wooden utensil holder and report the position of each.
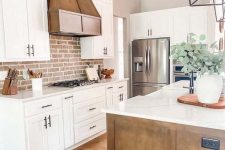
(10, 87)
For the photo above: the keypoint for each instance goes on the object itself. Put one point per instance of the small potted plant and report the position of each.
(195, 56)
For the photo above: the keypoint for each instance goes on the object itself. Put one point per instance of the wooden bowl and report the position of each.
(108, 73)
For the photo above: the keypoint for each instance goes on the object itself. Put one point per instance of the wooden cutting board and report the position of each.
(193, 100)
(92, 74)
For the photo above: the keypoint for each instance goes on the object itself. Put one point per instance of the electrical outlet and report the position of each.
(212, 144)
(3, 75)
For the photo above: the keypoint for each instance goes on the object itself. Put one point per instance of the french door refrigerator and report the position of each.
(150, 65)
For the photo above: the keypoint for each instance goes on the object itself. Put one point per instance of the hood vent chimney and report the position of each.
(73, 18)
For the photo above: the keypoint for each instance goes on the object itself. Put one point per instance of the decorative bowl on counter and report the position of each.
(108, 73)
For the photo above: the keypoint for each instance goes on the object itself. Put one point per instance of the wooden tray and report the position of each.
(193, 100)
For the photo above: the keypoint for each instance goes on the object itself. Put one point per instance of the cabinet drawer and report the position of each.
(89, 94)
(89, 128)
(121, 86)
(88, 109)
(43, 105)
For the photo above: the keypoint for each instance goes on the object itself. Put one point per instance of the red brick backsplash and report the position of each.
(65, 63)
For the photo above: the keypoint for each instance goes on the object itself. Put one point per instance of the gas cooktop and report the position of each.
(73, 83)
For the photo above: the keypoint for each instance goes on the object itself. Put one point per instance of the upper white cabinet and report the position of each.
(174, 23)
(98, 47)
(198, 20)
(140, 25)
(180, 25)
(189, 20)
(15, 29)
(160, 24)
(24, 30)
(151, 24)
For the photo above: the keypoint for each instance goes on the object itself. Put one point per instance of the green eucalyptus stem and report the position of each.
(195, 56)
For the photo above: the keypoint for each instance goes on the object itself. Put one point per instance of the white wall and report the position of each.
(150, 5)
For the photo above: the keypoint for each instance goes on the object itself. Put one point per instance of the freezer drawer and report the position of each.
(145, 89)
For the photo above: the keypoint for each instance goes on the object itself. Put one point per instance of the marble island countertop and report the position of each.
(163, 106)
(28, 95)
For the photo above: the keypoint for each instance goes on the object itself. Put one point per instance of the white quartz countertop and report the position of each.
(163, 106)
(28, 95)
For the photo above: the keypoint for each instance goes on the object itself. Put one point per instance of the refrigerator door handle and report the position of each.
(146, 58)
(149, 60)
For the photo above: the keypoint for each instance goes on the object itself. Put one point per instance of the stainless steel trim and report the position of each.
(149, 85)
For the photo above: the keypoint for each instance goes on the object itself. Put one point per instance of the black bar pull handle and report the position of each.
(46, 106)
(46, 125)
(92, 127)
(50, 121)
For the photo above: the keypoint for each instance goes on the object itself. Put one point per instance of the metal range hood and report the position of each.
(73, 18)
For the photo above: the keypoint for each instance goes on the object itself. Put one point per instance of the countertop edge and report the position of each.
(64, 91)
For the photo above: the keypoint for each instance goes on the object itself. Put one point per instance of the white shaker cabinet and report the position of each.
(45, 131)
(151, 24)
(116, 93)
(98, 47)
(140, 27)
(160, 24)
(37, 133)
(38, 29)
(180, 25)
(68, 120)
(175, 23)
(198, 20)
(24, 30)
(15, 32)
(55, 131)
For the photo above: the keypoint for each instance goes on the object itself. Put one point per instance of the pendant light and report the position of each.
(219, 7)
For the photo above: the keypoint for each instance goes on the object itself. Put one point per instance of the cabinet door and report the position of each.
(109, 95)
(68, 121)
(55, 130)
(106, 40)
(2, 35)
(198, 20)
(107, 28)
(140, 25)
(15, 29)
(99, 43)
(38, 29)
(160, 23)
(37, 133)
(180, 25)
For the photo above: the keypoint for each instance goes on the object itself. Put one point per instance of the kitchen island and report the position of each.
(158, 122)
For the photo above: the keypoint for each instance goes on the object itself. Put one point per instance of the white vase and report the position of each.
(209, 88)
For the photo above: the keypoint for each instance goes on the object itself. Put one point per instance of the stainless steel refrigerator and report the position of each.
(150, 65)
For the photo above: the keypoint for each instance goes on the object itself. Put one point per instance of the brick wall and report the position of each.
(65, 63)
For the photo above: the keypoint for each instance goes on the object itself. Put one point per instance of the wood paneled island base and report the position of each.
(129, 133)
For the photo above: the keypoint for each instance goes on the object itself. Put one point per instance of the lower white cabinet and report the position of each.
(68, 120)
(45, 131)
(60, 122)
(116, 93)
(37, 133)
(90, 127)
